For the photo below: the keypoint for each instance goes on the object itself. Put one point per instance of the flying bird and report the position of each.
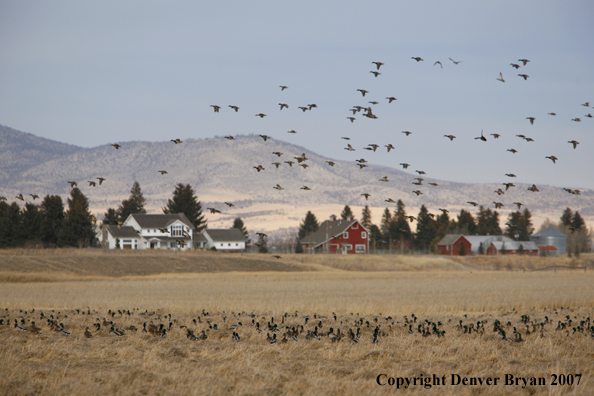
(305, 188)
(495, 135)
(378, 64)
(373, 146)
(510, 175)
(349, 147)
(384, 179)
(524, 76)
(417, 58)
(20, 196)
(518, 204)
(283, 105)
(438, 63)
(512, 150)
(162, 172)
(352, 119)
(331, 163)
(34, 196)
(552, 158)
(278, 187)
(92, 183)
(421, 172)
(101, 180)
(418, 192)
(229, 204)
(311, 106)
(407, 133)
(455, 62)
(498, 205)
(277, 153)
(363, 92)
(213, 210)
(472, 203)
(574, 143)
(290, 163)
(366, 195)
(216, 108)
(234, 108)
(389, 147)
(283, 87)
(375, 73)
(451, 137)
(117, 146)
(361, 166)
(576, 120)
(73, 184)
(277, 164)
(508, 185)
(531, 120)
(176, 141)
(259, 168)
(405, 165)
(304, 108)
(499, 191)
(553, 114)
(389, 200)
(346, 138)
(391, 99)
(533, 188)
(587, 104)
(524, 61)
(292, 131)
(482, 137)
(433, 184)
(500, 78)
(229, 137)
(261, 115)
(265, 137)
(515, 65)
(444, 211)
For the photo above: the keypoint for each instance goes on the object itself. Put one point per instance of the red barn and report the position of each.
(451, 245)
(337, 236)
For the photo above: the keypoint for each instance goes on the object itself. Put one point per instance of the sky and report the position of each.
(95, 73)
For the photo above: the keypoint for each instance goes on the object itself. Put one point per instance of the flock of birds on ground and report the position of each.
(236, 327)
(366, 110)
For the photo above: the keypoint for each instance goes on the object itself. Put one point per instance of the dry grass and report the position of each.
(139, 363)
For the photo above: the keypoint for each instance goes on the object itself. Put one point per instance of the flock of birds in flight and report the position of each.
(367, 111)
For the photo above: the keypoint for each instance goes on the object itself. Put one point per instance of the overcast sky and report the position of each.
(94, 73)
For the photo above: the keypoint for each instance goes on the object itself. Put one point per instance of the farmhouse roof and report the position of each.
(515, 245)
(549, 232)
(160, 220)
(449, 239)
(122, 232)
(328, 230)
(225, 235)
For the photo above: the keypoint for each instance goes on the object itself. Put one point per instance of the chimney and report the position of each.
(332, 217)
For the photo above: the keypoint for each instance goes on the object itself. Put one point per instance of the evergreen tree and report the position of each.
(426, 229)
(375, 237)
(298, 247)
(366, 217)
(52, 210)
(308, 225)
(134, 204)
(10, 218)
(185, 201)
(481, 249)
(77, 228)
(488, 222)
(385, 224)
(466, 224)
(238, 223)
(111, 217)
(399, 229)
(462, 251)
(521, 249)
(566, 217)
(347, 213)
(443, 226)
(31, 222)
(519, 225)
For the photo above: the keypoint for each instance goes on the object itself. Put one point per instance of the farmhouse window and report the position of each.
(355, 226)
(345, 235)
(363, 235)
(349, 247)
(360, 248)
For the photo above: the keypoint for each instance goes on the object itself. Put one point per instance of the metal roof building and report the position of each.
(551, 237)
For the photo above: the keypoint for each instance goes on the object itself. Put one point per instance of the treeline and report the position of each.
(48, 224)
(395, 232)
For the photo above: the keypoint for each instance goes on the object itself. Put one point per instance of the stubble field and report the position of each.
(289, 298)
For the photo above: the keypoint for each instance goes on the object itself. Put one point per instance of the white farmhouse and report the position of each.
(221, 239)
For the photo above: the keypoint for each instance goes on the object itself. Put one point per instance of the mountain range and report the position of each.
(222, 170)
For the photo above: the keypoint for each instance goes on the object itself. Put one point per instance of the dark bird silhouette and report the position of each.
(283, 105)
(277, 153)
(552, 158)
(163, 172)
(574, 143)
(290, 163)
(234, 108)
(378, 64)
(417, 58)
(515, 65)
(304, 108)
(495, 135)
(349, 147)
(524, 76)
(375, 73)
(259, 168)
(576, 120)
(508, 185)
(363, 92)
(518, 204)
(438, 63)
(389, 147)
(531, 120)
(418, 192)
(524, 61)
(482, 137)
(229, 137)
(444, 211)
(389, 200)
(331, 163)
(213, 210)
(421, 172)
(311, 106)
(352, 119)
(455, 62)
(264, 137)
(472, 203)
(34, 196)
(278, 187)
(346, 138)
(366, 195)
(553, 114)
(292, 131)
(407, 133)
(587, 104)
(405, 165)
(533, 188)
(384, 179)
(498, 205)
(513, 151)
(391, 99)
(305, 188)
(73, 184)
(261, 115)
(451, 137)
(216, 108)
(117, 146)
(277, 164)
(510, 175)
(20, 196)
(229, 204)
(101, 180)
(92, 183)
(283, 87)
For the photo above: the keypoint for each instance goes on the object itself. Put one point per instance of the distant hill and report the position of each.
(223, 170)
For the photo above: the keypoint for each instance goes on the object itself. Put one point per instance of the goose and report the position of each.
(277, 164)
(482, 137)
(407, 133)
(117, 146)
(500, 78)
(305, 166)
(418, 192)
(234, 108)
(163, 172)
(389, 200)
(512, 150)
(312, 105)
(92, 183)
(331, 163)
(34, 196)
(404, 165)
(375, 73)
(259, 168)
(229, 204)
(176, 141)
(384, 179)
(574, 143)
(264, 137)
(283, 87)
(366, 195)
(531, 120)
(576, 120)
(455, 62)
(378, 64)
(213, 210)
(495, 135)
(515, 65)
(290, 163)
(438, 63)
(508, 185)
(451, 137)
(216, 108)
(472, 203)
(229, 137)
(283, 105)
(389, 147)
(552, 158)
(352, 119)
(292, 131)
(278, 187)
(261, 115)
(518, 204)
(305, 188)
(391, 99)
(101, 180)
(524, 61)
(533, 188)
(498, 205)
(73, 184)
(363, 92)
(277, 153)
(524, 76)
(417, 58)
(510, 175)
(349, 147)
